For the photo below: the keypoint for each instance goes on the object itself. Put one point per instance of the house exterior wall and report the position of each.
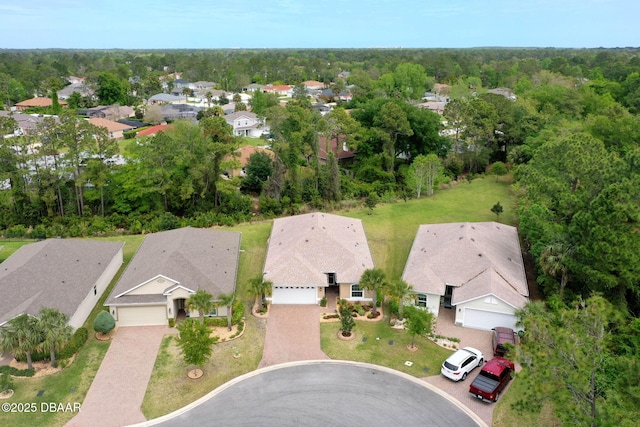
(433, 303)
(345, 293)
(179, 293)
(86, 306)
(481, 304)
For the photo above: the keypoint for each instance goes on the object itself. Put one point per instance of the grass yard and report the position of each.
(426, 361)
(391, 228)
(7, 247)
(169, 377)
(504, 415)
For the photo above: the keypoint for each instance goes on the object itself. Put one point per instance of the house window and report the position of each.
(356, 291)
(490, 300)
(213, 313)
(421, 300)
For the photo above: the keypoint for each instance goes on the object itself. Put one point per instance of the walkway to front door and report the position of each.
(293, 333)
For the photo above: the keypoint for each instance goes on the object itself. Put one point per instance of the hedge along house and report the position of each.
(475, 269)
(168, 268)
(315, 255)
(69, 275)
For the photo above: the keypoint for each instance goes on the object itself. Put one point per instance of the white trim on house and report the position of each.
(178, 286)
(146, 282)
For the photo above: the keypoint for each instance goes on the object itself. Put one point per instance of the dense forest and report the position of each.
(569, 131)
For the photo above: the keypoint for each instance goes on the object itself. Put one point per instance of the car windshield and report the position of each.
(450, 366)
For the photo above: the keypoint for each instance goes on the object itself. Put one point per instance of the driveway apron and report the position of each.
(293, 334)
(116, 394)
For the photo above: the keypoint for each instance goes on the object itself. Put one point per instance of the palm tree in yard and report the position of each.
(373, 280)
(553, 261)
(400, 292)
(202, 301)
(260, 288)
(227, 301)
(21, 337)
(56, 332)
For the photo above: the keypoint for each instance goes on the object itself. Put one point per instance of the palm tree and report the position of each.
(553, 261)
(209, 97)
(53, 325)
(227, 301)
(400, 292)
(20, 336)
(202, 301)
(260, 288)
(374, 280)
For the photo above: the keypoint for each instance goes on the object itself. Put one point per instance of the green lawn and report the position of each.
(391, 228)
(7, 247)
(378, 350)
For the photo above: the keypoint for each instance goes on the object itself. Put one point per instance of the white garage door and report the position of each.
(487, 320)
(142, 315)
(294, 295)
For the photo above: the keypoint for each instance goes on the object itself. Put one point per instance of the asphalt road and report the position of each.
(324, 394)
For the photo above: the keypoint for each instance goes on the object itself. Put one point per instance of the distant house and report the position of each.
(313, 85)
(246, 123)
(344, 75)
(435, 106)
(180, 111)
(280, 90)
(339, 149)
(442, 89)
(27, 124)
(112, 112)
(253, 87)
(164, 98)
(504, 91)
(475, 269)
(115, 129)
(314, 255)
(37, 102)
(80, 88)
(202, 85)
(69, 275)
(154, 130)
(241, 158)
(168, 268)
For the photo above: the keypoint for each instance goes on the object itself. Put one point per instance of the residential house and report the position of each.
(154, 130)
(435, 106)
(168, 268)
(313, 85)
(27, 124)
(339, 149)
(116, 130)
(241, 159)
(504, 91)
(316, 255)
(69, 275)
(41, 101)
(475, 269)
(173, 112)
(164, 98)
(280, 90)
(246, 123)
(253, 87)
(80, 87)
(111, 112)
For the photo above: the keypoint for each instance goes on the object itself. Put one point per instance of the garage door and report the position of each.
(480, 319)
(142, 315)
(294, 295)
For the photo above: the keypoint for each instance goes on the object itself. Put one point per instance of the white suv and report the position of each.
(460, 363)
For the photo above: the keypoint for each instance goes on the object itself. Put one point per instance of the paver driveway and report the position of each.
(293, 334)
(118, 389)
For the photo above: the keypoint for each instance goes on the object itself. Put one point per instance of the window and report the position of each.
(331, 278)
(356, 291)
(421, 300)
(490, 300)
(213, 313)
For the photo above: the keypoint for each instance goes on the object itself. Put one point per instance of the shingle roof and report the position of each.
(110, 125)
(55, 273)
(194, 257)
(478, 258)
(154, 130)
(38, 102)
(303, 248)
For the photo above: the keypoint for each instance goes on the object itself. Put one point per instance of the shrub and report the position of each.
(346, 321)
(76, 342)
(215, 321)
(172, 322)
(17, 372)
(238, 312)
(6, 382)
(104, 322)
(323, 302)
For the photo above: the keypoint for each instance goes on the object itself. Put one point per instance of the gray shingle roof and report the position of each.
(54, 273)
(478, 258)
(303, 248)
(196, 258)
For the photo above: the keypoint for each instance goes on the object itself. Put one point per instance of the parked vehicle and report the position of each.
(492, 379)
(502, 336)
(460, 363)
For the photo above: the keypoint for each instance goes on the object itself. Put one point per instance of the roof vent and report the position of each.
(479, 254)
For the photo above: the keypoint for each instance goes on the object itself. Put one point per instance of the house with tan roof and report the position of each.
(168, 268)
(280, 90)
(241, 159)
(115, 129)
(69, 275)
(313, 85)
(475, 269)
(315, 255)
(41, 101)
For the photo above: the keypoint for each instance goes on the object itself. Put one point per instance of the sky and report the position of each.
(191, 24)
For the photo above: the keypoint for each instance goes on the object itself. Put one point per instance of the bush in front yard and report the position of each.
(104, 322)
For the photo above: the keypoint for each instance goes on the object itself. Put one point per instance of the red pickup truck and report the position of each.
(492, 379)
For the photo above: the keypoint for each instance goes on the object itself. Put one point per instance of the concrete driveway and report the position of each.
(323, 393)
(293, 334)
(468, 338)
(116, 393)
